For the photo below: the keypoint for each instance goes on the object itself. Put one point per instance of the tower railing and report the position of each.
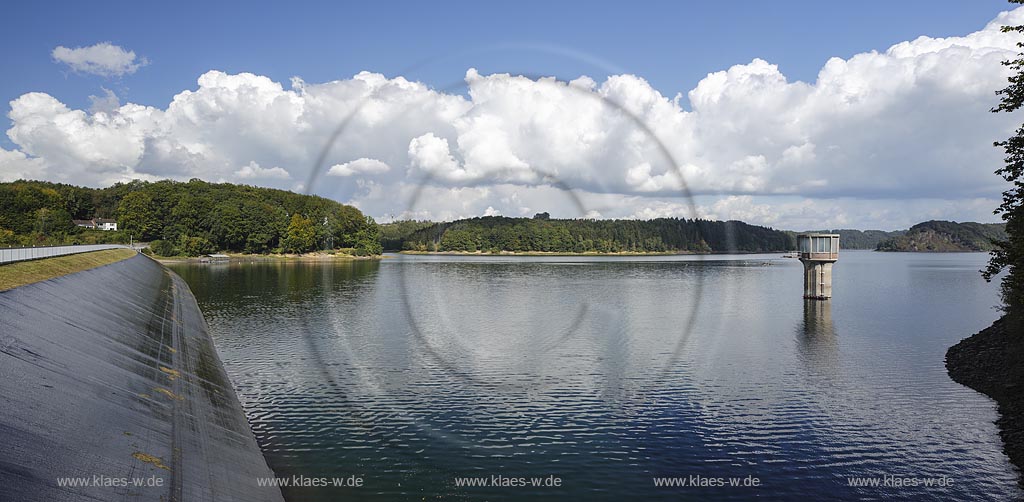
(828, 255)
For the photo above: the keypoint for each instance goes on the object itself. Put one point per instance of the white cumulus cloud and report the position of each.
(253, 170)
(359, 166)
(905, 128)
(104, 59)
(15, 165)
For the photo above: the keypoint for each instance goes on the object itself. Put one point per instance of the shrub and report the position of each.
(162, 248)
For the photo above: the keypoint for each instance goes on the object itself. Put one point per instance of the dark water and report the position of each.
(608, 372)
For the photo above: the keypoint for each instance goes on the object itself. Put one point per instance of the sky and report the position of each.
(796, 115)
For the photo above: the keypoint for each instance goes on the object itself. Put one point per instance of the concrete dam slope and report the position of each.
(110, 389)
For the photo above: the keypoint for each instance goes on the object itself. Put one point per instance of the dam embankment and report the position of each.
(108, 376)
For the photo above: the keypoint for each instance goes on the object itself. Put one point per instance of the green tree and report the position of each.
(393, 234)
(195, 246)
(7, 237)
(491, 233)
(301, 235)
(346, 223)
(52, 222)
(162, 248)
(368, 241)
(1010, 252)
(138, 214)
(229, 217)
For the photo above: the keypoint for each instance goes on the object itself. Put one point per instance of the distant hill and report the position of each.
(946, 236)
(856, 239)
(190, 218)
(542, 234)
(393, 234)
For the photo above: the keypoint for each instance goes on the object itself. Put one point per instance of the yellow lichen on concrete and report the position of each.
(150, 459)
(172, 374)
(168, 393)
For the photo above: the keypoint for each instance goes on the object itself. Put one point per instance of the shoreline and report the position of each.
(243, 258)
(992, 362)
(930, 251)
(588, 253)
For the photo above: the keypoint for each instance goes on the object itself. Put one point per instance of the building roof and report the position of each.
(104, 220)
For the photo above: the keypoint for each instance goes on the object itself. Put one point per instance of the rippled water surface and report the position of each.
(414, 371)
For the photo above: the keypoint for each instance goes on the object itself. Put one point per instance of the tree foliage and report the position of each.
(187, 218)
(1009, 254)
(7, 237)
(301, 236)
(498, 233)
(937, 235)
(37, 213)
(138, 215)
(393, 234)
(368, 240)
(194, 246)
(161, 247)
(854, 239)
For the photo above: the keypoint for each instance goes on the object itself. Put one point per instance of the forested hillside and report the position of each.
(393, 234)
(938, 236)
(540, 234)
(184, 218)
(856, 239)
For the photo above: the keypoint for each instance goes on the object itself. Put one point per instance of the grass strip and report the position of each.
(21, 273)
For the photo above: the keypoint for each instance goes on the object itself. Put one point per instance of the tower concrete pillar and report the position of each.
(818, 280)
(818, 252)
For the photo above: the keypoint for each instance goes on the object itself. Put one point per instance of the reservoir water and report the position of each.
(423, 374)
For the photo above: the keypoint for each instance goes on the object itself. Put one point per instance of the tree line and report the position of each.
(184, 218)
(542, 234)
(1009, 252)
(855, 239)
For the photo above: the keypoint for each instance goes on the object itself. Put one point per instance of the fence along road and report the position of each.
(8, 255)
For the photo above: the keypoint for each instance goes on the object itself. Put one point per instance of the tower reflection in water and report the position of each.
(816, 338)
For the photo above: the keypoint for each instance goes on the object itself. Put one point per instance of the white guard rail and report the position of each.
(8, 255)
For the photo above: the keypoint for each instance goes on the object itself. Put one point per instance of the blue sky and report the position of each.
(894, 132)
(671, 44)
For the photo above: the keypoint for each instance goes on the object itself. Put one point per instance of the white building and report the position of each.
(97, 223)
(105, 224)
